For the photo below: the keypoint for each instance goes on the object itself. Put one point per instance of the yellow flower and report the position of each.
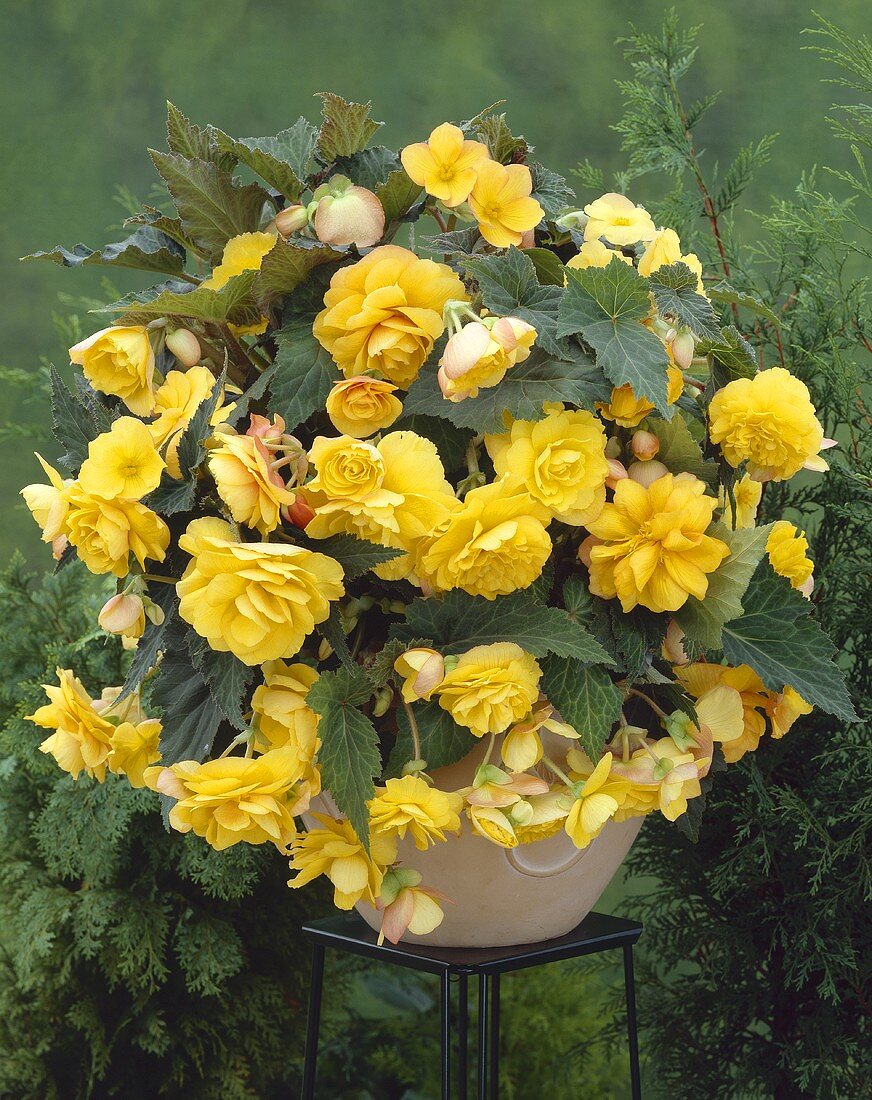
(408, 906)
(335, 851)
(493, 544)
(665, 248)
(479, 355)
(122, 462)
(82, 739)
(628, 410)
(701, 677)
(242, 253)
(123, 614)
(549, 814)
(784, 709)
(245, 479)
(106, 532)
(120, 361)
(493, 825)
(595, 804)
(560, 461)
(384, 313)
(445, 165)
(258, 601)
(411, 804)
(362, 406)
(49, 504)
(134, 748)
(522, 746)
(232, 799)
(655, 552)
(501, 202)
(769, 422)
(423, 670)
(490, 687)
(787, 548)
(175, 402)
(594, 253)
(746, 494)
(282, 716)
(618, 220)
(681, 781)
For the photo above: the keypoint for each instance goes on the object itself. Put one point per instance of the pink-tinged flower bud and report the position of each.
(423, 671)
(168, 783)
(617, 472)
(584, 550)
(260, 427)
(299, 513)
(644, 446)
(673, 644)
(682, 350)
(807, 587)
(59, 546)
(291, 220)
(185, 347)
(123, 614)
(528, 239)
(348, 214)
(646, 473)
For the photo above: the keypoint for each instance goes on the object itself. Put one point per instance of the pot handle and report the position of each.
(543, 872)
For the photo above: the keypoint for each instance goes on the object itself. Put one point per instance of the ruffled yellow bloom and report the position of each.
(617, 219)
(82, 740)
(50, 503)
(106, 532)
(334, 851)
(502, 204)
(479, 355)
(560, 461)
(282, 716)
(490, 687)
(384, 313)
(494, 543)
(595, 804)
(655, 551)
(769, 422)
(664, 249)
(594, 253)
(787, 547)
(445, 165)
(258, 601)
(746, 494)
(784, 709)
(122, 462)
(700, 678)
(628, 410)
(493, 825)
(175, 402)
(120, 361)
(232, 799)
(362, 406)
(410, 804)
(246, 481)
(134, 748)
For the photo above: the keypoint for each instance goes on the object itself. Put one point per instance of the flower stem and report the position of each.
(641, 695)
(413, 729)
(558, 771)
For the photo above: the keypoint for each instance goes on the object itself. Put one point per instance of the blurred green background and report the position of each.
(85, 84)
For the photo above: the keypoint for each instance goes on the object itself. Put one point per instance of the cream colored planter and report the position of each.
(507, 896)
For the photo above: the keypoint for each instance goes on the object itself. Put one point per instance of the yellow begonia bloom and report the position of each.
(665, 248)
(49, 504)
(122, 462)
(595, 254)
(493, 825)
(655, 551)
(362, 406)
(746, 495)
(254, 492)
(490, 687)
(258, 601)
(681, 782)
(596, 803)
(106, 532)
(786, 547)
(628, 410)
(242, 253)
(560, 461)
(700, 678)
(175, 402)
(384, 313)
(82, 739)
(492, 544)
(232, 799)
(522, 746)
(445, 164)
(410, 804)
(549, 814)
(480, 354)
(619, 220)
(784, 709)
(414, 909)
(335, 851)
(283, 718)
(134, 748)
(502, 203)
(120, 361)
(767, 421)
(422, 670)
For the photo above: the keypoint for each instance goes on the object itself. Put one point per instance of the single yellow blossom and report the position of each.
(247, 479)
(502, 204)
(50, 503)
(594, 253)
(593, 807)
(787, 547)
(244, 252)
(422, 670)
(628, 410)
(746, 495)
(175, 402)
(618, 220)
(122, 462)
(282, 717)
(478, 356)
(700, 677)
(135, 748)
(784, 709)
(361, 406)
(105, 532)
(82, 739)
(119, 361)
(664, 249)
(335, 851)
(445, 165)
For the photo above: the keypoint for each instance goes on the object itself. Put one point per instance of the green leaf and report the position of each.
(212, 206)
(253, 394)
(283, 160)
(72, 424)
(586, 698)
(349, 754)
(732, 352)
(190, 715)
(457, 621)
(225, 674)
(499, 139)
(607, 306)
(551, 191)
(463, 241)
(398, 194)
(162, 223)
(356, 556)
(509, 286)
(346, 129)
(333, 632)
(703, 620)
(146, 249)
(287, 265)
(549, 270)
(369, 167)
(723, 292)
(232, 302)
(443, 742)
(188, 140)
(305, 371)
(679, 452)
(523, 391)
(152, 641)
(673, 288)
(777, 637)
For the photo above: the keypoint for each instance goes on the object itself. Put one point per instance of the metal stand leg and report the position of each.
(445, 983)
(463, 1034)
(632, 1029)
(495, 1038)
(313, 1025)
(483, 992)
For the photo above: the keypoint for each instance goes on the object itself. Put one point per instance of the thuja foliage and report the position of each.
(755, 983)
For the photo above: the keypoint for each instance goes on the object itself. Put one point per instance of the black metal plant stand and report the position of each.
(596, 933)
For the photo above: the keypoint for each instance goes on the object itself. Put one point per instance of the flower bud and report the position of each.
(299, 513)
(646, 473)
(59, 547)
(673, 644)
(383, 699)
(644, 445)
(423, 671)
(617, 472)
(349, 215)
(185, 347)
(585, 549)
(682, 350)
(123, 614)
(613, 447)
(291, 220)
(572, 219)
(325, 650)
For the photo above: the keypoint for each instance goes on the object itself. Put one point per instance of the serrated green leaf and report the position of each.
(732, 352)
(723, 292)
(607, 306)
(674, 290)
(254, 393)
(146, 249)
(777, 637)
(586, 698)
(398, 194)
(233, 302)
(369, 167)
(457, 621)
(502, 143)
(152, 641)
(72, 424)
(464, 241)
(703, 620)
(349, 754)
(191, 718)
(679, 452)
(283, 160)
(287, 265)
(162, 223)
(305, 371)
(189, 140)
(551, 191)
(356, 556)
(346, 129)
(332, 631)
(549, 269)
(225, 674)
(443, 742)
